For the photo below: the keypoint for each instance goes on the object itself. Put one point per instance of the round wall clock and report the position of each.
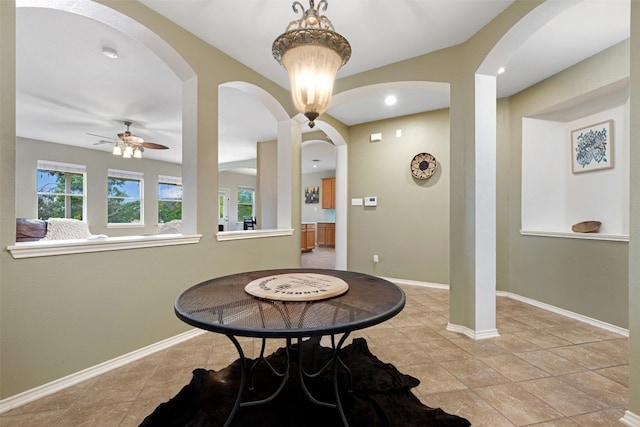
(423, 165)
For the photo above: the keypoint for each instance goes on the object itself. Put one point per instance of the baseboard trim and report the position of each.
(566, 313)
(474, 335)
(76, 378)
(416, 283)
(630, 419)
(494, 333)
(44, 390)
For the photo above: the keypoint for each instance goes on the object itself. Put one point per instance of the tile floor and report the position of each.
(319, 257)
(544, 370)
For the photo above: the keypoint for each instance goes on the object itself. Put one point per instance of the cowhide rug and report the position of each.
(380, 396)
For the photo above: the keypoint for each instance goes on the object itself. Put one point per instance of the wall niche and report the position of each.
(553, 196)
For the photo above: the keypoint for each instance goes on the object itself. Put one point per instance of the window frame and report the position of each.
(129, 176)
(171, 180)
(240, 188)
(67, 169)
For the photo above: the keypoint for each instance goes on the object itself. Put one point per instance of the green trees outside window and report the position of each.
(245, 203)
(124, 197)
(60, 194)
(169, 202)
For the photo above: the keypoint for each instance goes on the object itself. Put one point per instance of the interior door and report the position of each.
(223, 209)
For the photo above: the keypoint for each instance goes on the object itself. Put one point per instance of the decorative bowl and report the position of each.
(586, 227)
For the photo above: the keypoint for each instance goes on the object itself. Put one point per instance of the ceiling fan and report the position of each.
(127, 144)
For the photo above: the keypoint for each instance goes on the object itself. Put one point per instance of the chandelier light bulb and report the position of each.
(312, 53)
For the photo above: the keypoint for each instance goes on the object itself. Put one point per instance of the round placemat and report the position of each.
(297, 287)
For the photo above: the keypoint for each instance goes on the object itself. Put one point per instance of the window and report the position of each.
(124, 197)
(169, 198)
(245, 202)
(60, 188)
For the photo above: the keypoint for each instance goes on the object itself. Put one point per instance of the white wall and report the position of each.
(231, 181)
(554, 198)
(29, 151)
(313, 212)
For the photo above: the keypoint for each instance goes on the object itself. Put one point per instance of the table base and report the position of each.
(246, 375)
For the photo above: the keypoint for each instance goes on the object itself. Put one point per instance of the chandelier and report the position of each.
(312, 53)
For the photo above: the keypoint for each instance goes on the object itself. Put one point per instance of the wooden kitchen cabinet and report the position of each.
(328, 193)
(308, 237)
(326, 234)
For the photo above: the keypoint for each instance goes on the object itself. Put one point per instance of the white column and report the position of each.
(341, 206)
(288, 131)
(485, 207)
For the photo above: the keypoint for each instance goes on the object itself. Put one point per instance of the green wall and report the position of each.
(53, 323)
(634, 190)
(583, 276)
(62, 314)
(409, 228)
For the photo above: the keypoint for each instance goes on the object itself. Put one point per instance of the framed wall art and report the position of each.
(592, 147)
(312, 194)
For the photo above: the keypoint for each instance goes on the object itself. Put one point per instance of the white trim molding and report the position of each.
(474, 335)
(494, 333)
(567, 313)
(630, 419)
(252, 234)
(98, 244)
(416, 283)
(76, 378)
(587, 236)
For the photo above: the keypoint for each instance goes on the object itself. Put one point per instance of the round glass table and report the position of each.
(223, 305)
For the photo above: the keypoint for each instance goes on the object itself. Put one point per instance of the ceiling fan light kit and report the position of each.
(312, 53)
(129, 145)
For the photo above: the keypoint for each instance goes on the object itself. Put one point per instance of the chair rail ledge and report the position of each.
(66, 247)
(252, 234)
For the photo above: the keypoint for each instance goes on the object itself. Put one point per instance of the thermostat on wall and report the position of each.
(371, 201)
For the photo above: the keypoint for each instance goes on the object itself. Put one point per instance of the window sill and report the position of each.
(252, 234)
(585, 236)
(66, 247)
(126, 225)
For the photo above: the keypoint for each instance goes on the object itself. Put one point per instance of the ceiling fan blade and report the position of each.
(103, 141)
(154, 146)
(100, 136)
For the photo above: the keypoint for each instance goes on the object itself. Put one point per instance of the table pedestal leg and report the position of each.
(248, 371)
(334, 363)
(243, 379)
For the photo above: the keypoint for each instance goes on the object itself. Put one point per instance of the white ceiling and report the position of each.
(67, 88)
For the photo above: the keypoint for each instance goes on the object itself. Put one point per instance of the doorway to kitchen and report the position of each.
(318, 210)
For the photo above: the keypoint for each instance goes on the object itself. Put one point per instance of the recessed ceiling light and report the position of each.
(501, 70)
(390, 100)
(110, 53)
